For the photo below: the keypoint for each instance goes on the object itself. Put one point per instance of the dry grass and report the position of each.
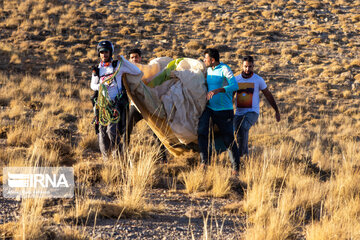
(214, 181)
(302, 174)
(31, 223)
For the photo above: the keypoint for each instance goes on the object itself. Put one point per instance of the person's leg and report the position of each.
(224, 121)
(134, 117)
(104, 142)
(239, 134)
(203, 136)
(242, 125)
(113, 133)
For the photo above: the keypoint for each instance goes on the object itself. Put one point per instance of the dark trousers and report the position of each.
(134, 117)
(109, 140)
(224, 121)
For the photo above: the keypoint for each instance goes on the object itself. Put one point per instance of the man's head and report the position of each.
(248, 65)
(134, 55)
(212, 57)
(105, 50)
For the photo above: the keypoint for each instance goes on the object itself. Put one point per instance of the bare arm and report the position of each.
(210, 94)
(271, 100)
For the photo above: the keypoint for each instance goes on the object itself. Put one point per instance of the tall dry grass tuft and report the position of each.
(214, 181)
(127, 177)
(272, 209)
(135, 177)
(31, 224)
(193, 180)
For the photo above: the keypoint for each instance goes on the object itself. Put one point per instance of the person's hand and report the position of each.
(210, 94)
(277, 116)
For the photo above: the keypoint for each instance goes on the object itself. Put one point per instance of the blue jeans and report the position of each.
(223, 119)
(242, 125)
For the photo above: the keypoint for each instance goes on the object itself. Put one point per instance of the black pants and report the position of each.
(224, 120)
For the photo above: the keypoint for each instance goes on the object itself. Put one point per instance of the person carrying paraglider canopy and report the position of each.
(221, 84)
(134, 56)
(111, 103)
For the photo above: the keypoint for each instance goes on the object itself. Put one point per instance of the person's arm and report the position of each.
(94, 82)
(210, 94)
(128, 67)
(230, 78)
(271, 100)
(233, 86)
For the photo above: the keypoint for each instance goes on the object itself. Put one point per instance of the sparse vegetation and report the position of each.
(301, 178)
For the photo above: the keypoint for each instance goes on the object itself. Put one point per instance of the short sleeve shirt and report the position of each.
(247, 97)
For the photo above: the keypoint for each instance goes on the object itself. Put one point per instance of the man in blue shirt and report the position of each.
(221, 84)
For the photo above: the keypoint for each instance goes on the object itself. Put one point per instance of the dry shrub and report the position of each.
(215, 180)
(135, 4)
(89, 210)
(51, 152)
(63, 72)
(135, 178)
(314, 71)
(194, 45)
(128, 179)
(357, 77)
(341, 209)
(71, 233)
(267, 51)
(355, 63)
(220, 181)
(31, 224)
(267, 13)
(268, 67)
(265, 220)
(15, 59)
(88, 142)
(21, 136)
(193, 180)
(175, 8)
(346, 94)
(289, 51)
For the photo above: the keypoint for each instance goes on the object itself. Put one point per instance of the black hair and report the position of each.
(134, 50)
(213, 53)
(248, 59)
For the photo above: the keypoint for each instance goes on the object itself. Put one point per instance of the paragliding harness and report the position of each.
(109, 111)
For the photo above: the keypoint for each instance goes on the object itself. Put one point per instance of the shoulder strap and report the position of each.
(114, 63)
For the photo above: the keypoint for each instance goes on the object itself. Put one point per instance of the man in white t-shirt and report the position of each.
(247, 103)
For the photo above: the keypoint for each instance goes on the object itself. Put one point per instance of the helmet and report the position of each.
(105, 45)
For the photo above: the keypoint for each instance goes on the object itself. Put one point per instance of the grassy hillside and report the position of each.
(301, 180)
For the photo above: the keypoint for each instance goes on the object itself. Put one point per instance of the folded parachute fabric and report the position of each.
(172, 100)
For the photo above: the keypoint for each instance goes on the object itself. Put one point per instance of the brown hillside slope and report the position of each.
(301, 180)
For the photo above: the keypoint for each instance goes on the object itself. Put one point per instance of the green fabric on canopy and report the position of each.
(165, 74)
